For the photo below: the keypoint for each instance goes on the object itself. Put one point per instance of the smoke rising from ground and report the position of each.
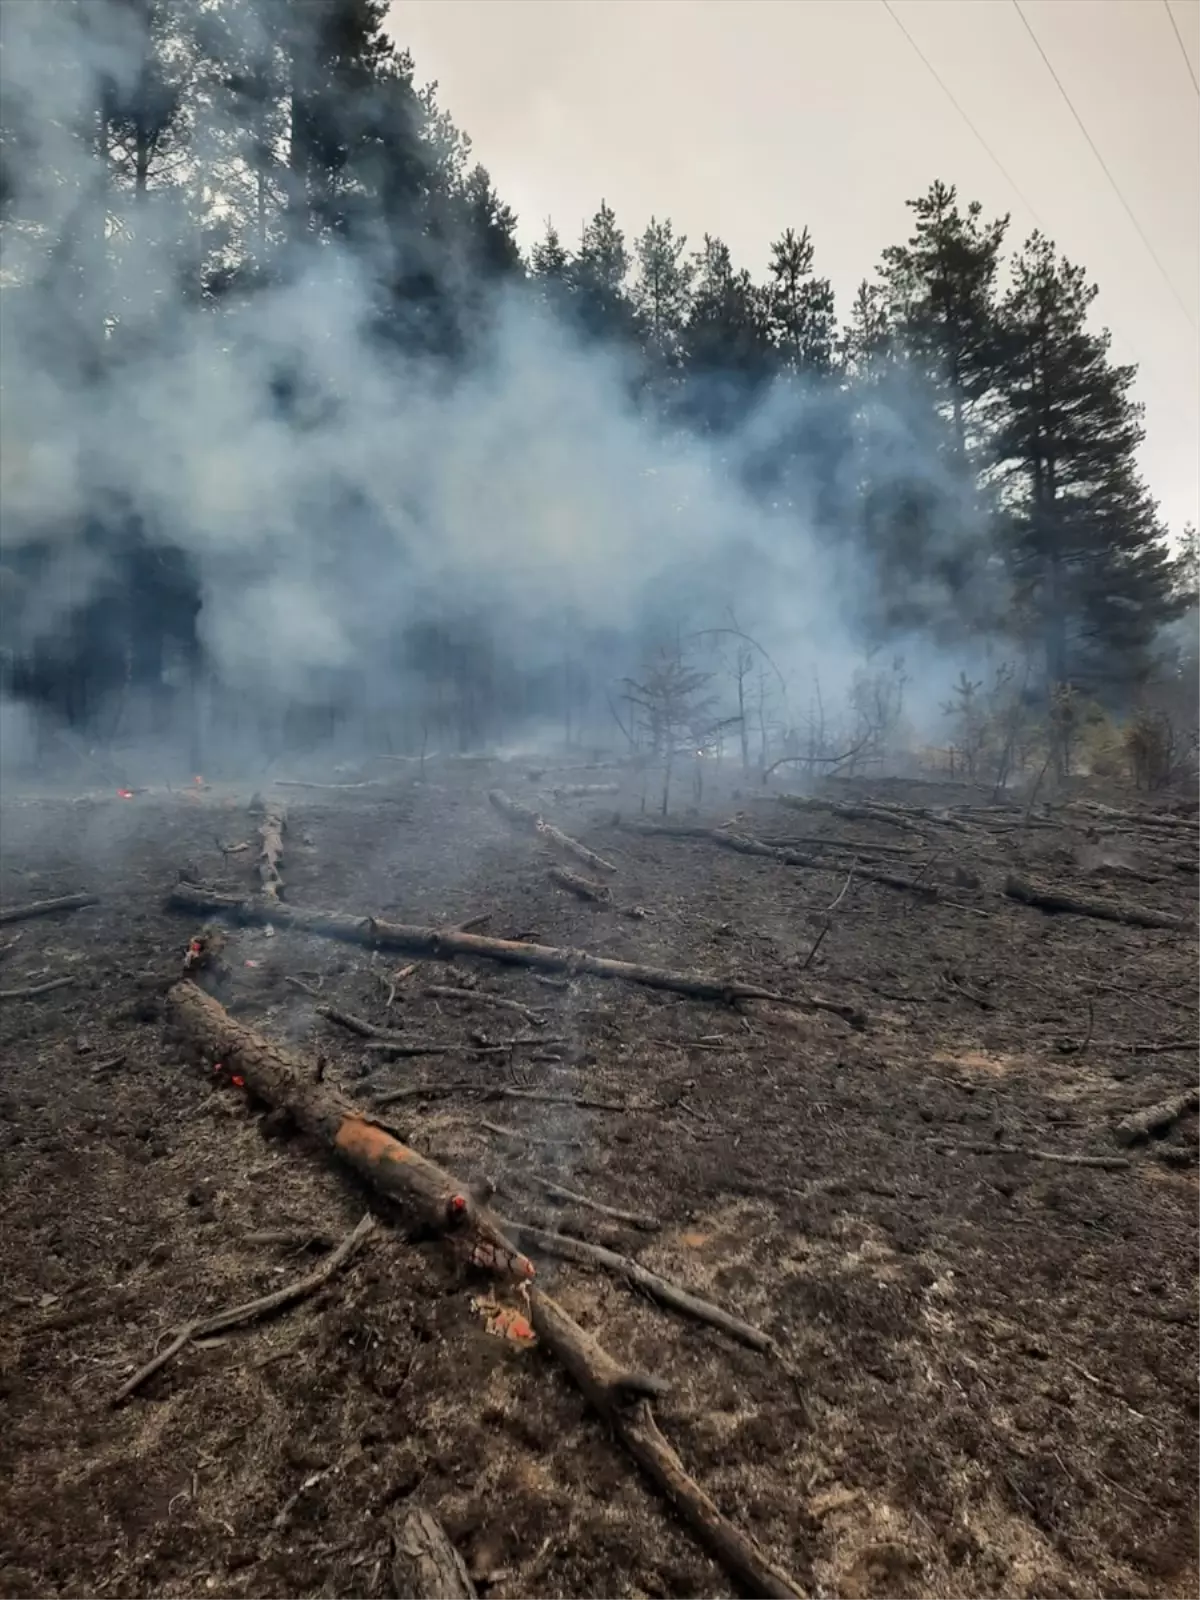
(330, 497)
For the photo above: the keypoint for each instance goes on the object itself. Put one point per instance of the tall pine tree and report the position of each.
(1086, 543)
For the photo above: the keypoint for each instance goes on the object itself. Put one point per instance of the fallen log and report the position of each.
(249, 1311)
(530, 821)
(399, 1172)
(270, 854)
(45, 908)
(567, 1248)
(296, 783)
(576, 791)
(617, 1395)
(282, 1082)
(443, 944)
(1156, 1119)
(745, 844)
(582, 888)
(425, 1565)
(1055, 901)
(36, 988)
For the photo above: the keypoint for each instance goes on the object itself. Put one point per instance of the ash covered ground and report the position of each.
(993, 1356)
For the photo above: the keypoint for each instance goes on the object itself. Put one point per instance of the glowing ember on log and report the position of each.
(125, 794)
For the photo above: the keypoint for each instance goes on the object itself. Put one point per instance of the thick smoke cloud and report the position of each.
(524, 488)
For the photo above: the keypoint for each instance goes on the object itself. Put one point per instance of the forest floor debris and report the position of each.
(988, 1325)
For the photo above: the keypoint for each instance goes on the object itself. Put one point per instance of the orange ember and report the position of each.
(125, 794)
(197, 778)
(238, 1083)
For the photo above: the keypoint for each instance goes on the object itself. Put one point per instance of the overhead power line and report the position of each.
(945, 88)
(1187, 60)
(1103, 164)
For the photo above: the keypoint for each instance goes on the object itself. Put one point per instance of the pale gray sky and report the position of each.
(742, 117)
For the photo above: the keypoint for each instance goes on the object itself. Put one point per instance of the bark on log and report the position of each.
(1157, 1118)
(45, 908)
(425, 1565)
(270, 831)
(283, 1082)
(615, 1394)
(530, 821)
(1054, 900)
(443, 944)
(745, 844)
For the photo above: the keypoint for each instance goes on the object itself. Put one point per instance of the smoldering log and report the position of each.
(444, 944)
(1157, 1118)
(530, 821)
(617, 1395)
(1055, 901)
(745, 844)
(46, 908)
(276, 1077)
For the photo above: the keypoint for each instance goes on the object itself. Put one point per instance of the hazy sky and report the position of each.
(742, 117)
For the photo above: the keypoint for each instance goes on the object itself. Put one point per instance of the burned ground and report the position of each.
(991, 1357)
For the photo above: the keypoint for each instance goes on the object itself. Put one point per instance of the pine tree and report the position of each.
(728, 351)
(940, 288)
(598, 277)
(801, 306)
(662, 292)
(1087, 545)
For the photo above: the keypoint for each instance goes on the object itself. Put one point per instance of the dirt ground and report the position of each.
(996, 1354)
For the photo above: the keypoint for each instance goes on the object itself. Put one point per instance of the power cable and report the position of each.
(1103, 164)
(1187, 60)
(945, 88)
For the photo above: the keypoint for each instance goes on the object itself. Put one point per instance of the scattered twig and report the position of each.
(36, 988)
(658, 1288)
(44, 908)
(7, 949)
(109, 1064)
(483, 997)
(635, 1219)
(504, 1132)
(827, 923)
(304, 988)
(249, 1311)
(1101, 1163)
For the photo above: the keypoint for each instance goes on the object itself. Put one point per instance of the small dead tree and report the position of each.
(670, 702)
